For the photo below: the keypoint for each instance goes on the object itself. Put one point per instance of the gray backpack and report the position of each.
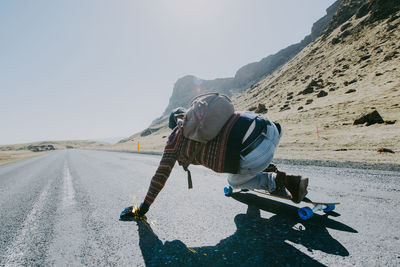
(206, 116)
(203, 121)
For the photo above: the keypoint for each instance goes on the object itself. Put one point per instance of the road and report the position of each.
(62, 208)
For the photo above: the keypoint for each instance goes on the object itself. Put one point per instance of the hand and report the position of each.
(127, 212)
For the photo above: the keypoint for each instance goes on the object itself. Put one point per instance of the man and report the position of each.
(244, 148)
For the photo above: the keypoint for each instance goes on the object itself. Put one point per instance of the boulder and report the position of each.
(261, 108)
(385, 150)
(316, 83)
(284, 107)
(335, 40)
(390, 55)
(307, 91)
(369, 118)
(345, 26)
(351, 91)
(346, 83)
(365, 57)
(322, 93)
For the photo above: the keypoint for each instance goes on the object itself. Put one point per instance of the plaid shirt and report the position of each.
(179, 148)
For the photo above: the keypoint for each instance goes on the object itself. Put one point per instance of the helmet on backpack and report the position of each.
(173, 117)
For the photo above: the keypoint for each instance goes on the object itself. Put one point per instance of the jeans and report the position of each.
(250, 175)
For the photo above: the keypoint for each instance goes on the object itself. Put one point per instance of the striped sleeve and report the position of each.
(164, 169)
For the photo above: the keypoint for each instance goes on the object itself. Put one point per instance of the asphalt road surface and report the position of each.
(62, 208)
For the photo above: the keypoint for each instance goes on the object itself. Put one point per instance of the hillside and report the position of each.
(352, 68)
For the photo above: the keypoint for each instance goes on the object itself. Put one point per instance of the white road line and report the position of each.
(20, 247)
(69, 193)
(66, 246)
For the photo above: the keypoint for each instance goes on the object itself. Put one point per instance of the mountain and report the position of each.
(189, 86)
(350, 66)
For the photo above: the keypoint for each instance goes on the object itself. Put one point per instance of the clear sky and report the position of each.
(90, 69)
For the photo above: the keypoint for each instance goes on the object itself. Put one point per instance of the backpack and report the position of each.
(205, 118)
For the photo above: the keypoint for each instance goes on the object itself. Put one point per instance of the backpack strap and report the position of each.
(188, 162)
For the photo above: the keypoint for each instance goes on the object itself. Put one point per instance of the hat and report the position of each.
(172, 117)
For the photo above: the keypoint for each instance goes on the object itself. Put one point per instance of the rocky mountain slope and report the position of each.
(352, 68)
(320, 93)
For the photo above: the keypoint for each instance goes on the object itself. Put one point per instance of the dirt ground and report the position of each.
(15, 152)
(12, 156)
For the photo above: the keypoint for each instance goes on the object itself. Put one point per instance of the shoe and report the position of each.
(295, 184)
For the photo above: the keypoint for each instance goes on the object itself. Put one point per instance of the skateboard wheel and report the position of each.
(305, 213)
(329, 208)
(228, 191)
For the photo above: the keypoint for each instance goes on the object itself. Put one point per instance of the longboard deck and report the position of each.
(306, 200)
(304, 213)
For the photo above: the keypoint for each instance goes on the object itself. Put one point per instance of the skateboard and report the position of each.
(305, 213)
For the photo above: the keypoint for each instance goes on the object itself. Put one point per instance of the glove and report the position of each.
(134, 212)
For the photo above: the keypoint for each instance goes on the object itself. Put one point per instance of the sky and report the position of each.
(94, 69)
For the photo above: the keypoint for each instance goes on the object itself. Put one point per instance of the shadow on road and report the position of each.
(256, 242)
(290, 213)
